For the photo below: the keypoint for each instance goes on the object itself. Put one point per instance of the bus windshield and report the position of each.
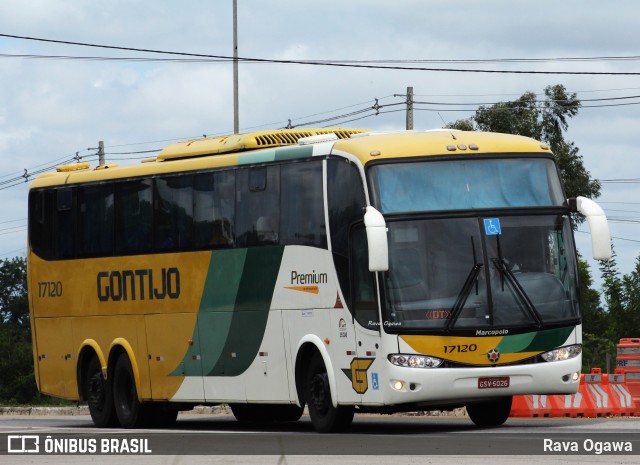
(466, 184)
(459, 273)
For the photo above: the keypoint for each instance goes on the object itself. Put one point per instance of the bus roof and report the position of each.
(285, 144)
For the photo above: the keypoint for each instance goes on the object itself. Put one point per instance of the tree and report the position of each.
(545, 120)
(16, 360)
(596, 345)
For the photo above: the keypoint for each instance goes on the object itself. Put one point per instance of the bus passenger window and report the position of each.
(173, 213)
(214, 200)
(302, 220)
(64, 223)
(257, 206)
(95, 220)
(134, 215)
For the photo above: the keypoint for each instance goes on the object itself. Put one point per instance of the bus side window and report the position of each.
(214, 198)
(41, 222)
(173, 213)
(257, 206)
(363, 289)
(64, 231)
(134, 216)
(346, 206)
(95, 220)
(302, 212)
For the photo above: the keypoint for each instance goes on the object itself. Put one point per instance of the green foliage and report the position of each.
(16, 360)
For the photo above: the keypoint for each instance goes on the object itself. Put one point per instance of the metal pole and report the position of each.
(236, 118)
(409, 108)
(101, 153)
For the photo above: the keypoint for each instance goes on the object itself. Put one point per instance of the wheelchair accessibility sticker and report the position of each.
(374, 381)
(492, 226)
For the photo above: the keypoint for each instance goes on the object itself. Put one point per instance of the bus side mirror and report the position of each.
(377, 240)
(600, 235)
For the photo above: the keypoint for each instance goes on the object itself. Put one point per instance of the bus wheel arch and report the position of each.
(131, 412)
(315, 385)
(96, 389)
(307, 348)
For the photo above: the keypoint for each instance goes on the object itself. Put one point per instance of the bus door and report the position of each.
(368, 365)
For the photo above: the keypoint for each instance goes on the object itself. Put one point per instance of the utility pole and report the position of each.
(236, 118)
(101, 153)
(409, 102)
(409, 108)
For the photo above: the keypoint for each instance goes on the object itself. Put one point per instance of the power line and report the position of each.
(365, 65)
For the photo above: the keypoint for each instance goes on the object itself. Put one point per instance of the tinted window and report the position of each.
(346, 206)
(258, 200)
(302, 221)
(174, 213)
(134, 216)
(95, 220)
(364, 302)
(41, 210)
(214, 198)
(64, 227)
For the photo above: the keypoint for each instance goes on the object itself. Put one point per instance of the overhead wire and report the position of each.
(368, 65)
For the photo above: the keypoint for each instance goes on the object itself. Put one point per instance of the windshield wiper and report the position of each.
(504, 270)
(463, 295)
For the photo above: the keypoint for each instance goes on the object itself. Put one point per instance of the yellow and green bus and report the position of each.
(338, 269)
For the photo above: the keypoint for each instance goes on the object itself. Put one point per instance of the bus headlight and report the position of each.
(414, 361)
(563, 353)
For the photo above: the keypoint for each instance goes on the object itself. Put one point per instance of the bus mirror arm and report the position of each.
(598, 225)
(376, 228)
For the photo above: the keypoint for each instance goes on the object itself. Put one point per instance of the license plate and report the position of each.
(494, 382)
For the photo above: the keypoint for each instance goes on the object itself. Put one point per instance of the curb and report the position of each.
(198, 410)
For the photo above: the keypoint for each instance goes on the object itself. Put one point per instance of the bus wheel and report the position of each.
(492, 413)
(97, 392)
(324, 416)
(125, 396)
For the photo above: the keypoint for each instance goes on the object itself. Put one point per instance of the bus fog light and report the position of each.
(563, 353)
(576, 376)
(398, 385)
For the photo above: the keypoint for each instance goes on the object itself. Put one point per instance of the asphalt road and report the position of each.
(373, 440)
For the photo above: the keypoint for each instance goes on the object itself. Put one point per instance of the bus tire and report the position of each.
(130, 411)
(98, 393)
(492, 413)
(324, 416)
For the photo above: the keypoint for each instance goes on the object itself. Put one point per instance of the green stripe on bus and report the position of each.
(538, 341)
(293, 153)
(233, 311)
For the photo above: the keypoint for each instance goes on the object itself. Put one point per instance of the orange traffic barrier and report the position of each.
(571, 405)
(628, 358)
(531, 405)
(619, 395)
(598, 398)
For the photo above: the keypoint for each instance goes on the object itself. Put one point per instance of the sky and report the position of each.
(54, 108)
